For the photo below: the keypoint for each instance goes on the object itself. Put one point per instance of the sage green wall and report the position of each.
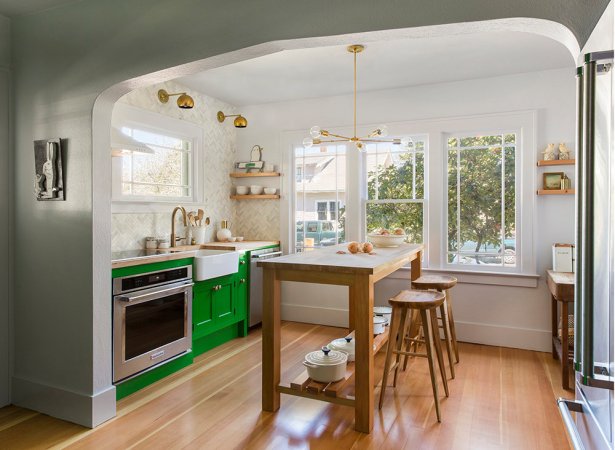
(4, 209)
(64, 57)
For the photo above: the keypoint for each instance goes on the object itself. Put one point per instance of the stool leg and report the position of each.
(393, 333)
(400, 342)
(449, 350)
(451, 321)
(438, 347)
(428, 346)
(414, 331)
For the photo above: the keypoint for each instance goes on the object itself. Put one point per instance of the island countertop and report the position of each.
(328, 259)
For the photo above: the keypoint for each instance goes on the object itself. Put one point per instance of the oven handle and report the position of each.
(132, 298)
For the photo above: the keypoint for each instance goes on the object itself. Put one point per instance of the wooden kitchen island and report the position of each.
(325, 266)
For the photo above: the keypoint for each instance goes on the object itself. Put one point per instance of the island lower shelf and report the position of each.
(338, 392)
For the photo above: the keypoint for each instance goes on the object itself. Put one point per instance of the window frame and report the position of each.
(136, 118)
(424, 137)
(435, 201)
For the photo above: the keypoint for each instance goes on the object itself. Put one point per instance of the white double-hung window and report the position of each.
(395, 187)
(166, 171)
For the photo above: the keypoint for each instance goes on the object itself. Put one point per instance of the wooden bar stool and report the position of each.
(426, 303)
(442, 283)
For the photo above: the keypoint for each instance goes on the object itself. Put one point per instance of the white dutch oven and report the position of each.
(326, 365)
(379, 323)
(345, 345)
(384, 311)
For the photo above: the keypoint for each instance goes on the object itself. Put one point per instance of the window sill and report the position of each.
(162, 206)
(470, 277)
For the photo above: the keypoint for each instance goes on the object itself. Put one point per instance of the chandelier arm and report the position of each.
(382, 141)
(332, 140)
(340, 136)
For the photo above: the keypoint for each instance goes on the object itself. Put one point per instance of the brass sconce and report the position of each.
(239, 122)
(184, 101)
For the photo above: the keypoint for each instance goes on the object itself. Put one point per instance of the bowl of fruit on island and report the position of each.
(382, 237)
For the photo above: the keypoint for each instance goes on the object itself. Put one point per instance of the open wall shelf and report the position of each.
(556, 162)
(254, 174)
(555, 191)
(255, 197)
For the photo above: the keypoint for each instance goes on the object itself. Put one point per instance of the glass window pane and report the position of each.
(408, 216)
(481, 201)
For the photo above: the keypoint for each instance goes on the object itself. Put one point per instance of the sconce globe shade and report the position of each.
(240, 122)
(315, 131)
(308, 142)
(184, 101)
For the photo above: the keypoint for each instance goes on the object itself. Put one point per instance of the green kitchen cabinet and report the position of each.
(223, 299)
(202, 308)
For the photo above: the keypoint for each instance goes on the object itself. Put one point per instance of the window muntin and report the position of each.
(395, 179)
(165, 174)
(481, 205)
(320, 196)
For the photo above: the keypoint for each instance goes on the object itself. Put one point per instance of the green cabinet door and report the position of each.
(241, 299)
(224, 302)
(202, 308)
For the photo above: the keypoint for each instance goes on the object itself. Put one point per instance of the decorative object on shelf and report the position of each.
(378, 135)
(48, 173)
(552, 180)
(565, 182)
(122, 144)
(239, 122)
(270, 191)
(256, 189)
(242, 190)
(184, 101)
(549, 153)
(564, 152)
(255, 160)
(224, 233)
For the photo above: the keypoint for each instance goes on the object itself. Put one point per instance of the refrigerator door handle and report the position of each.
(565, 407)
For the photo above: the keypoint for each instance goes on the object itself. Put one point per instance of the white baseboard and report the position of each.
(477, 333)
(87, 410)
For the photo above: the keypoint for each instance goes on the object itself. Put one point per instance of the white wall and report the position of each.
(132, 222)
(498, 315)
(5, 174)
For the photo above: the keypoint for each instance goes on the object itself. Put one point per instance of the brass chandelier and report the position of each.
(377, 135)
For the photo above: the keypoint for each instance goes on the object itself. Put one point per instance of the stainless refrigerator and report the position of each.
(589, 418)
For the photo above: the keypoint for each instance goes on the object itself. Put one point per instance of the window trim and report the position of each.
(435, 179)
(129, 116)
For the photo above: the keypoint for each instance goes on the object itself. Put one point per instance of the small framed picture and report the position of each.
(552, 180)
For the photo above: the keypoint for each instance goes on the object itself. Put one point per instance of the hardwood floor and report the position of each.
(500, 398)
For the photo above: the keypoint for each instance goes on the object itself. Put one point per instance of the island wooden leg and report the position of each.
(362, 301)
(271, 340)
(553, 326)
(415, 266)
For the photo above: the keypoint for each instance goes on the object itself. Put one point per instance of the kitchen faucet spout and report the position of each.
(183, 211)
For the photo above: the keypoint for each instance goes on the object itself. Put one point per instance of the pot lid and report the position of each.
(379, 319)
(343, 344)
(383, 310)
(326, 357)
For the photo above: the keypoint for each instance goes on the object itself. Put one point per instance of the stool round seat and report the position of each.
(440, 282)
(418, 299)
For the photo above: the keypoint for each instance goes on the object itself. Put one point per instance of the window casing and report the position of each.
(435, 196)
(170, 173)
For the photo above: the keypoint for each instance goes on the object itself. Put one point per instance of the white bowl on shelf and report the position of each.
(242, 190)
(386, 240)
(256, 190)
(270, 191)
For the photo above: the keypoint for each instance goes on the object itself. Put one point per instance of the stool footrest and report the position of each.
(401, 352)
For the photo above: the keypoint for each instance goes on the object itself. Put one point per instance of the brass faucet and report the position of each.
(177, 208)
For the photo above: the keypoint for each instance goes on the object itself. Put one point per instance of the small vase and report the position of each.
(224, 234)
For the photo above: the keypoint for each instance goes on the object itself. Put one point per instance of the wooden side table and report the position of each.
(561, 285)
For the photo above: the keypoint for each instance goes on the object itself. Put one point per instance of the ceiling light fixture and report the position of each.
(375, 136)
(184, 101)
(239, 122)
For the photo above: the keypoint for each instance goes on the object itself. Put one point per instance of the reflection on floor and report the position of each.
(500, 398)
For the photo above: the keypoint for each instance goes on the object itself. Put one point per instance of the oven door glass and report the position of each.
(153, 324)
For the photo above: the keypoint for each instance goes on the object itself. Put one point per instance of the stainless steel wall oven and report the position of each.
(152, 319)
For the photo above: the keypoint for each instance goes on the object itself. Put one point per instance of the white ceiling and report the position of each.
(327, 71)
(12, 8)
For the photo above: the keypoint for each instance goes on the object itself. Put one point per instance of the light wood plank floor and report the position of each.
(501, 398)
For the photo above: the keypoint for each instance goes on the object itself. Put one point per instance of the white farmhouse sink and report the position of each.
(210, 264)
